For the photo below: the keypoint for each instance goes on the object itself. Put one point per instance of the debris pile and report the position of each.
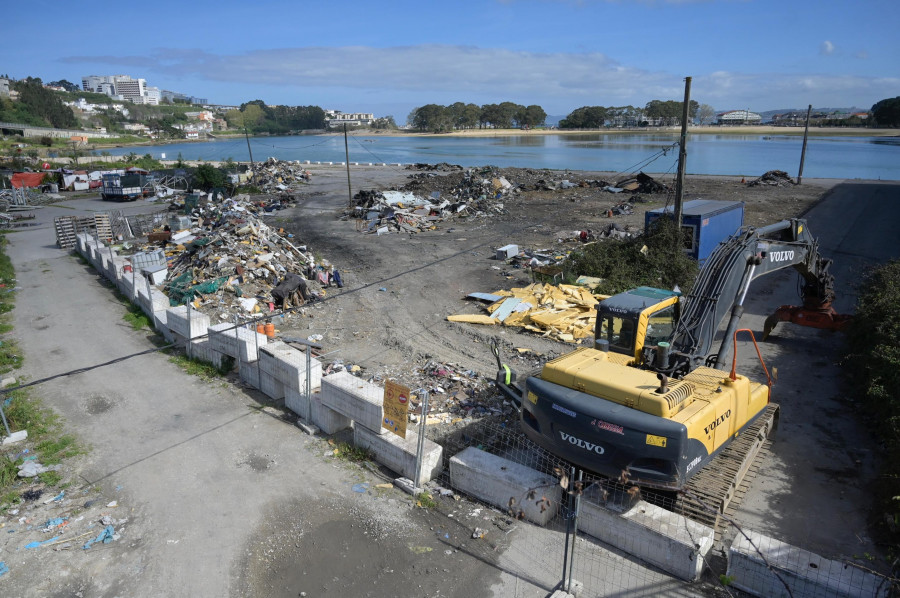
(279, 176)
(777, 178)
(642, 183)
(225, 260)
(566, 312)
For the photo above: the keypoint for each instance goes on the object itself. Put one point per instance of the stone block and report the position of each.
(241, 343)
(496, 480)
(361, 401)
(201, 350)
(249, 373)
(188, 325)
(399, 454)
(327, 420)
(270, 385)
(807, 574)
(159, 324)
(662, 538)
(288, 365)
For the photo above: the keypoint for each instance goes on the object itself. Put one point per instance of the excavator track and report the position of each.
(718, 488)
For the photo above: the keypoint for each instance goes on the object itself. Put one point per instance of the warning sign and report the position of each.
(396, 408)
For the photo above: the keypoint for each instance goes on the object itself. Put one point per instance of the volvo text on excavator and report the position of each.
(651, 399)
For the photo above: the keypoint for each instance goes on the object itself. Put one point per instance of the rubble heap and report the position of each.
(225, 260)
(777, 178)
(279, 176)
(566, 312)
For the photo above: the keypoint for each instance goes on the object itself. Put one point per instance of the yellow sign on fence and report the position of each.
(396, 408)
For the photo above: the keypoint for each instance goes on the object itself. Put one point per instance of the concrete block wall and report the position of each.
(399, 454)
(270, 385)
(201, 349)
(355, 398)
(288, 365)
(327, 420)
(807, 574)
(662, 538)
(249, 373)
(240, 343)
(188, 325)
(496, 480)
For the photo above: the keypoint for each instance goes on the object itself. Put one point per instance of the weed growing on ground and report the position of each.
(202, 369)
(134, 315)
(348, 452)
(51, 478)
(425, 501)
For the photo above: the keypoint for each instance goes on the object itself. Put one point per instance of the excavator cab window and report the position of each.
(619, 332)
(660, 326)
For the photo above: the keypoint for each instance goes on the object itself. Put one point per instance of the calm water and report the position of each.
(750, 155)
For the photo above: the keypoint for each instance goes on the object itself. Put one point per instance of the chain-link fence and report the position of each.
(558, 527)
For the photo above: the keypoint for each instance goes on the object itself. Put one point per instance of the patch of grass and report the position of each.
(347, 452)
(134, 315)
(8, 471)
(51, 478)
(10, 355)
(424, 500)
(55, 449)
(202, 369)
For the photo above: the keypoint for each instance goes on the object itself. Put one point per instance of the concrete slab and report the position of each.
(326, 419)
(662, 538)
(270, 385)
(807, 574)
(290, 366)
(160, 325)
(201, 350)
(249, 373)
(241, 343)
(355, 398)
(399, 454)
(188, 325)
(496, 480)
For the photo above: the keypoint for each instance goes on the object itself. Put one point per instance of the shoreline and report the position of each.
(695, 130)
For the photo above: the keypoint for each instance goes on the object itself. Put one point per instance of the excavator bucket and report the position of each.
(823, 317)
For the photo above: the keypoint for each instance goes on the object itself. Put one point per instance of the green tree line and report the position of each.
(36, 106)
(663, 112)
(257, 117)
(506, 115)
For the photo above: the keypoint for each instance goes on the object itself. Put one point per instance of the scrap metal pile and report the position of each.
(566, 312)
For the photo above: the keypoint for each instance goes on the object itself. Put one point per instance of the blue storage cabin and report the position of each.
(710, 222)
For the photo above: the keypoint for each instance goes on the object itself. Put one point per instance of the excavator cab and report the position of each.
(631, 320)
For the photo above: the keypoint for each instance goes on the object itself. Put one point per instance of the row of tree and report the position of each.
(656, 112)
(257, 117)
(506, 115)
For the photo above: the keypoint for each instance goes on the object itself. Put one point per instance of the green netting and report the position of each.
(181, 290)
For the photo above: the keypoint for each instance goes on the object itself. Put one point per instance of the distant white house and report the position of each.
(738, 117)
(337, 118)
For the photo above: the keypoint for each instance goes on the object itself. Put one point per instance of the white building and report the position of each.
(336, 118)
(738, 117)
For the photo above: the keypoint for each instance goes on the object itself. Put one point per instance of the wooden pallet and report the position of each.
(104, 230)
(65, 231)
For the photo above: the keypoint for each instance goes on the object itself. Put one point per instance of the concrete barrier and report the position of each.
(667, 540)
(399, 454)
(187, 326)
(290, 367)
(807, 574)
(270, 385)
(249, 373)
(324, 418)
(353, 397)
(200, 349)
(496, 480)
(241, 343)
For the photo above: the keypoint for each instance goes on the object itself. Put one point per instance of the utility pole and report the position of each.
(803, 151)
(250, 151)
(682, 153)
(347, 158)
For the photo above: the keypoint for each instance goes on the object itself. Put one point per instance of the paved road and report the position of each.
(813, 492)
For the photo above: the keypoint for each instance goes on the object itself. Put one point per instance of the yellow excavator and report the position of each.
(650, 402)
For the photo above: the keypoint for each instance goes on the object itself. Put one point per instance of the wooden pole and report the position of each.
(803, 151)
(247, 137)
(682, 152)
(347, 158)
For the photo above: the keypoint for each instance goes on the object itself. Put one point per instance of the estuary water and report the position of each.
(744, 155)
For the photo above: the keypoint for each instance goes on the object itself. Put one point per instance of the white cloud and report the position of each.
(862, 55)
(827, 48)
(445, 73)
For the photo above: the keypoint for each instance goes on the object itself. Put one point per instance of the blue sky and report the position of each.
(389, 57)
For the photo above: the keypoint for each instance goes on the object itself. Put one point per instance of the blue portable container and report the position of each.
(709, 222)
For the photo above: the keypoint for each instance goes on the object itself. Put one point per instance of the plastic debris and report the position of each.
(106, 536)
